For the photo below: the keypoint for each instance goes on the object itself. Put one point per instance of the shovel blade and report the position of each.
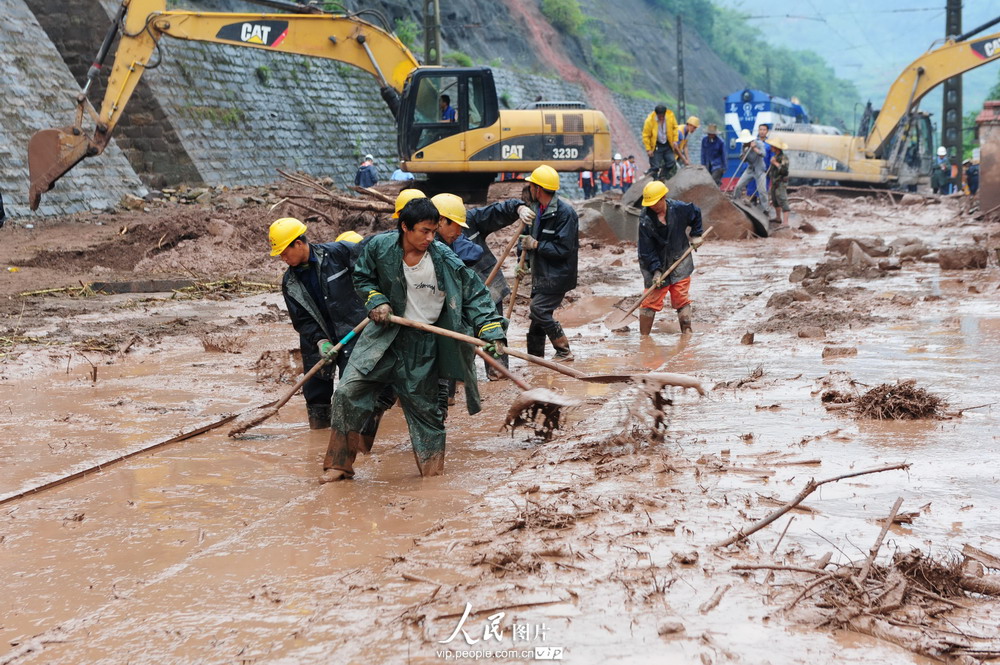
(51, 153)
(538, 401)
(618, 320)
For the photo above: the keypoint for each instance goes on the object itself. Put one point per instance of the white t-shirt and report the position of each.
(423, 298)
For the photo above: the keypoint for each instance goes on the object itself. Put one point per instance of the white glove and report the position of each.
(526, 215)
(696, 242)
(528, 243)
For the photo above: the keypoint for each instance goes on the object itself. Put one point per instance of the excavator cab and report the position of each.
(438, 106)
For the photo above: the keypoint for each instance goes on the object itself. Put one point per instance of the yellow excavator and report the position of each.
(895, 145)
(469, 147)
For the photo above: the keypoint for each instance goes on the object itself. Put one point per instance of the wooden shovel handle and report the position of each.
(659, 283)
(322, 363)
(517, 284)
(498, 366)
(475, 341)
(506, 253)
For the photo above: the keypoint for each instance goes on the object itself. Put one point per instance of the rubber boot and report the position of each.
(561, 344)
(684, 318)
(385, 400)
(444, 398)
(646, 317)
(340, 455)
(433, 466)
(319, 416)
(536, 345)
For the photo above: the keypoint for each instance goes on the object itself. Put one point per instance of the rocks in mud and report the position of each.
(840, 351)
(799, 273)
(786, 298)
(594, 226)
(963, 258)
(670, 627)
(911, 200)
(856, 256)
(870, 246)
(747, 338)
(812, 332)
(806, 227)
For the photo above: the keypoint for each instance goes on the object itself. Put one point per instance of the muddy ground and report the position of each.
(599, 546)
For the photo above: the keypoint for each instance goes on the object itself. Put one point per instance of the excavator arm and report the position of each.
(141, 23)
(955, 57)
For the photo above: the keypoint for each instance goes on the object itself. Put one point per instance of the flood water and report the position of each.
(221, 550)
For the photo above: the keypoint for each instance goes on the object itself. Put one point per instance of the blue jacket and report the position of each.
(468, 251)
(482, 222)
(713, 153)
(366, 176)
(662, 244)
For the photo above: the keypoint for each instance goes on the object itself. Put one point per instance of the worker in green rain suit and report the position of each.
(409, 274)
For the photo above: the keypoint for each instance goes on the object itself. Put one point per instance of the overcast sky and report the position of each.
(871, 41)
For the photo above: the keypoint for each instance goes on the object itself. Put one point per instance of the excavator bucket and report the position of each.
(51, 153)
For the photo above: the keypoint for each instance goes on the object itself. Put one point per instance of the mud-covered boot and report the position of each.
(561, 344)
(684, 318)
(319, 416)
(339, 461)
(432, 466)
(536, 345)
(646, 317)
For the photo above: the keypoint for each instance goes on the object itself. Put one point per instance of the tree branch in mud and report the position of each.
(873, 552)
(810, 487)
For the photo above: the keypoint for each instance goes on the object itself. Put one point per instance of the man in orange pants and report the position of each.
(663, 239)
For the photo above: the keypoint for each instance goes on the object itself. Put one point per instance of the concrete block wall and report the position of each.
(39, 92)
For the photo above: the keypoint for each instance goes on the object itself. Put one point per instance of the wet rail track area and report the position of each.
(628, 537)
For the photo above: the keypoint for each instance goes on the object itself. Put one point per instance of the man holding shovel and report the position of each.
(406, 272)
(663, 239)
(321, 302)
(553, 244)
(755, 154)
(466, 231)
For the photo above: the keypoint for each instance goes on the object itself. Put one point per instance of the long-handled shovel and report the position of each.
(528, 404)
(531, 402)
(505, 254)
(517, 283)
(260, 414)
(616, 322)
(666, 379)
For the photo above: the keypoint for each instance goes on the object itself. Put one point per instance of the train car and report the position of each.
(749, 109)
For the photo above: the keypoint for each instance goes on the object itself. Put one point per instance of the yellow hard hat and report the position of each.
(283, 232)
(350, 236)
(694, 121)
(450, 206)
(653, 192)
(545, 177)
(405, 197)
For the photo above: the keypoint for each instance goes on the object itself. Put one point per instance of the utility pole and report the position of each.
(432, 32)
(951, 113)
(681, 106)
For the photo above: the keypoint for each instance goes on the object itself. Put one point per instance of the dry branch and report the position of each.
(873, 552)
(810, 487)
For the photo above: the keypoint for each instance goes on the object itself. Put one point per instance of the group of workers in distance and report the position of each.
(431, 269)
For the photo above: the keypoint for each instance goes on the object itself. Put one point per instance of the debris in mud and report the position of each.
(749, 380)
(899, 401)
(963, 258)
(278, 366)
(839, 351)
(510, 560)
(747, 338)
(539, 408)
(907, 602)
(836, 397)
(223, 342)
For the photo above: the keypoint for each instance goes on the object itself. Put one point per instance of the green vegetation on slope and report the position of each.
(779, 71)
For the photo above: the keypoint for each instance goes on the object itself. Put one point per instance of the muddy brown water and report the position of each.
(219, 550)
